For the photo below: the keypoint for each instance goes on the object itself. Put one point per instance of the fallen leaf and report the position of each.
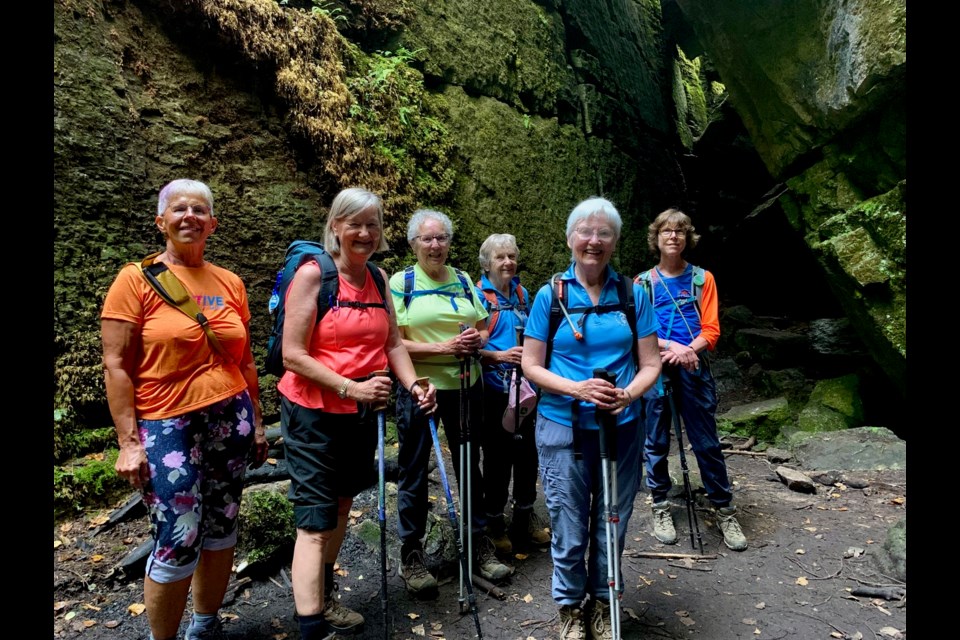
(749, 621)
(897, 500)
(842, 509)
(137, 608)
(841, 486)
(802, 581)
(857, 636)
(869, 541)
(57, 543)
(834, 495)
(90, 607)
(836, 634)
(70, 615)
(760, 605)
(128, 540)
(520, 556)
(667, 593)
(111, 624)
(228, 616)
(799, 552)
(96, 558)
(66, 526)
(89, 623)
(413, 616)
(853, 552)
(646, 580)
(436, 626)
(355, 514)
(682, 614)
(890, 632)
(672, 576)
(756, 632)
(341, 572)
(631, 613)
(528, 598)
(810, 529)
(418, 630)
(687, 621)
(61, 605)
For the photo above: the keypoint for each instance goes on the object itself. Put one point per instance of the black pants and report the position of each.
(416, 443)
(505, 455)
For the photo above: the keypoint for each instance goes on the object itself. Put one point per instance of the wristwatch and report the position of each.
(342, 391)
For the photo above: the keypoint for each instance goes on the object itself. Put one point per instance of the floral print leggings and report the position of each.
(197, 463)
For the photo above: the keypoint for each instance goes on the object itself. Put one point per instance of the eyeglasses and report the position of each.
(443, 238)
(198, 210)
(666, 233)
(586, 233)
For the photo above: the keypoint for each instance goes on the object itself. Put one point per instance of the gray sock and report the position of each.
(203, 621)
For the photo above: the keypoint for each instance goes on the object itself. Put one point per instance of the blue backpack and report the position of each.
(299, 252)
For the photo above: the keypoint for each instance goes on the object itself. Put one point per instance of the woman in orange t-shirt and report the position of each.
(187, 419)
(326, 395)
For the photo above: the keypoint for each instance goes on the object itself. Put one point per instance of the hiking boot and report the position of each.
(420, 583)
(663, 529)
(572, 625)
(486, 563)
(341, 619)
(599, 626)
(528, 529)
(215, 632)
(496, 530)
(732, 533)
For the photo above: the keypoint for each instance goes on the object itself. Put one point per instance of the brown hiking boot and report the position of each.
(600, 627)
(496, 531)
(341, 619)
(420, 582)
(486, 562)
(572, 626)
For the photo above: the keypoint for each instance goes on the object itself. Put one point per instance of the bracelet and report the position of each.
(629, 397)
(342, 391)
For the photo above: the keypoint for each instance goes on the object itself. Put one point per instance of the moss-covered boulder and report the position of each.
(268, 530)
(764, 419)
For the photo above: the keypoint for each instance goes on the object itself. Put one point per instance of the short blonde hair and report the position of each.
(347, 203)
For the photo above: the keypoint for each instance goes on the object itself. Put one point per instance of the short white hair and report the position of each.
(184, 186)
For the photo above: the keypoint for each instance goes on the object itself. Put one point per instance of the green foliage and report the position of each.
(328, 9)
(268, 524)
(87, 482)
(401, 123)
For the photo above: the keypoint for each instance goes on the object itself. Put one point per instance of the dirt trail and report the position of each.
(807, 552)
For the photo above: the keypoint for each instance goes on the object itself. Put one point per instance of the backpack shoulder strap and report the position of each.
(625, 294)
(172, 291)
(380, 282)
(698, 279)
(467, 287)
(558, 293)
(643, 279)
(409, 280)
(494, 307)
(329, 283)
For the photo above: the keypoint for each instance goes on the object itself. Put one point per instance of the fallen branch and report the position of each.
(231, 593)
(691, 568)
(489, 587)
(815, 576)
(654, 554)
(889, 593)
(746, 453)
(745, 446)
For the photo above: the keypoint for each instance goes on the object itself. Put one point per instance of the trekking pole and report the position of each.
(687, 491)
(466, 495)
(382, 505)
(516, 413)
(608, 462)
(451, 511)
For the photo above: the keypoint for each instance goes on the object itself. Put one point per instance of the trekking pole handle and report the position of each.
(604, 419)
(373, 374)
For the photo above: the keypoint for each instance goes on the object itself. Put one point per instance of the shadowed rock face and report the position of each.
(820, 87)
(530, 107)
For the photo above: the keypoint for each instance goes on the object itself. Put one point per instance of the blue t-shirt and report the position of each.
(605, 344)
(504, 335)
(675, 306)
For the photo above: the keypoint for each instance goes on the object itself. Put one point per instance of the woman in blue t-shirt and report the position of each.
(594, 333)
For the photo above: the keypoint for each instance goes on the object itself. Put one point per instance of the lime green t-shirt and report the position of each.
(435, 318)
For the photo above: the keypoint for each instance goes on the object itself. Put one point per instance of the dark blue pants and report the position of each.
(695, 396)
(413, 432)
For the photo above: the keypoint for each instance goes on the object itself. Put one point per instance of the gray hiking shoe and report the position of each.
(420, 583)
(732, 533)
(486, 563)
(572, 626)
(599, 627)
(341, 619)
(663, 529)
(214, 632)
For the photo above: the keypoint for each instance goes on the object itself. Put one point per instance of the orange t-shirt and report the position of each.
(176, 369)
(347, 340)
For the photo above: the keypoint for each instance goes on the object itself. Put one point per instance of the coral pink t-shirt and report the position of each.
(351, 341)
